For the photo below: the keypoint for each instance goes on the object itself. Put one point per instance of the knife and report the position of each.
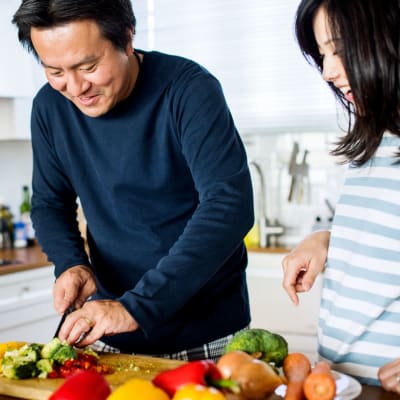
(69, 310)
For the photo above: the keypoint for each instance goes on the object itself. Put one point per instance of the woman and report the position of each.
(355, 45)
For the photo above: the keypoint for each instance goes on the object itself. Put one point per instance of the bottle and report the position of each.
(25, 214)
(6, 228)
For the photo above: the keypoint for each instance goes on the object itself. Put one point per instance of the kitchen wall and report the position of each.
(15, 171)
(273, 152)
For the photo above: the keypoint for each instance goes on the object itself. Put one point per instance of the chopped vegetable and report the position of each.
(52, 360)
(138, 389)
(21, 363)
(44, 366)
(50, 348)
(18, 369)
(63, 353)
(320, 384)
(193, 391)
(83, 385)
(260, 343)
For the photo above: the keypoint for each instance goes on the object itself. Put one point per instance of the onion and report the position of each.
(257, 379)
(229, 362)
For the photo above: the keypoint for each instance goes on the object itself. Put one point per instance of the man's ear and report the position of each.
(129, 44)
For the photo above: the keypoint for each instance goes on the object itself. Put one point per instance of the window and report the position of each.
(250, 47)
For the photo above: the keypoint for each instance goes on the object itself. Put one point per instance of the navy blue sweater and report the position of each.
(165, 187)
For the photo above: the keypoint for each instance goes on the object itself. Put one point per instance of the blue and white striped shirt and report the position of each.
(359, 326)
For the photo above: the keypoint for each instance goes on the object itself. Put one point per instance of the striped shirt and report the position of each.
(359, 326)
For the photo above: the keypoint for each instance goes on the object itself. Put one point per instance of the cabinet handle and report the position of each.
(24, 289)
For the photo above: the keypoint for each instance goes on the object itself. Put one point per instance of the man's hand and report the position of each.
(73, 287)
(303, 264)
(95, 319)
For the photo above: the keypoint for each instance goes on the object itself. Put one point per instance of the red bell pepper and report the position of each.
(83, 385)
(202, 372)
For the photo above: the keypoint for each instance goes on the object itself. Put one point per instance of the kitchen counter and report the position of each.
(269, 250)
(368, 393)
(23, 259)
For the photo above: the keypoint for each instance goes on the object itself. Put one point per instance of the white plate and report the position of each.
(347, 388)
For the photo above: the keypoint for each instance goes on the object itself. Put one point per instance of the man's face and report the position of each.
(85, 67)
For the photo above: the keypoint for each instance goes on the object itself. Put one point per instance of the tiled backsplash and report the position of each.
(273, 153)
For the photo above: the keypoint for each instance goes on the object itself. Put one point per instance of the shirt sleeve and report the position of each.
(217, 160)
(54, 202)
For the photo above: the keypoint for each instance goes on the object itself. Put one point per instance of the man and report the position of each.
(147, 143)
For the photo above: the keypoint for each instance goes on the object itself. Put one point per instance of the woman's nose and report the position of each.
(330, 70)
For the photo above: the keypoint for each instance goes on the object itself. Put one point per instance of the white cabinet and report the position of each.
(15, 66)
(272, 309)
(21, 76)
(26, 306)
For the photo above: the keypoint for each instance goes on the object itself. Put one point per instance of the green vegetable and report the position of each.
(18, 369)
(63, 353)
(38, 360)
(50, 348)
(90, 351)
(44, 367)
(260, 343)
(21, 363)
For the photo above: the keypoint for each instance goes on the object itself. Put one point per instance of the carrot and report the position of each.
(296, 368)
(320, 384)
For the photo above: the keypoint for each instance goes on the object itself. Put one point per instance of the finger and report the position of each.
(62, 299)
(81, 328)
(291, 285)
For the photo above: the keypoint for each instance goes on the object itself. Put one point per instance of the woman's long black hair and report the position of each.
(367, 38)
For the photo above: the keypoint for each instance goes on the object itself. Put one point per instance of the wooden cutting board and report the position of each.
(125, 367)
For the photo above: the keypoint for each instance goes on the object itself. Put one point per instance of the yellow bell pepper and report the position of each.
(138, 389)
(7, 346)
(193, 391)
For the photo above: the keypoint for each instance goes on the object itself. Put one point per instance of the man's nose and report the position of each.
(76, 85)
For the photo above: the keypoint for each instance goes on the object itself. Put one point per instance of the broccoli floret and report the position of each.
(63, 353)
(269, 347)
(44, 366)
(18, 369)
(50, 348)
(30, 352)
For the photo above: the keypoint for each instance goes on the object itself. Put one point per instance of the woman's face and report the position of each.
(332, 66)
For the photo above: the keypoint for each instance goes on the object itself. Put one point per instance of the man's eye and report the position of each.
(89, 68)
(55, 73)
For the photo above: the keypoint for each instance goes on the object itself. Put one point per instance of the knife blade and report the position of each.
(69, 310)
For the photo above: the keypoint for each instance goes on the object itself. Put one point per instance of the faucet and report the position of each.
(268, 232)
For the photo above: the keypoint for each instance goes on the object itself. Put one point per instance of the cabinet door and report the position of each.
(26, 306)
(15, 66)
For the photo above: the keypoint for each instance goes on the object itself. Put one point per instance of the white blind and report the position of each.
(250, 47)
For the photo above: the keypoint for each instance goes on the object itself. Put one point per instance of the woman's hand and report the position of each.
(389, 376)
(97, 318)
(303, 264)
